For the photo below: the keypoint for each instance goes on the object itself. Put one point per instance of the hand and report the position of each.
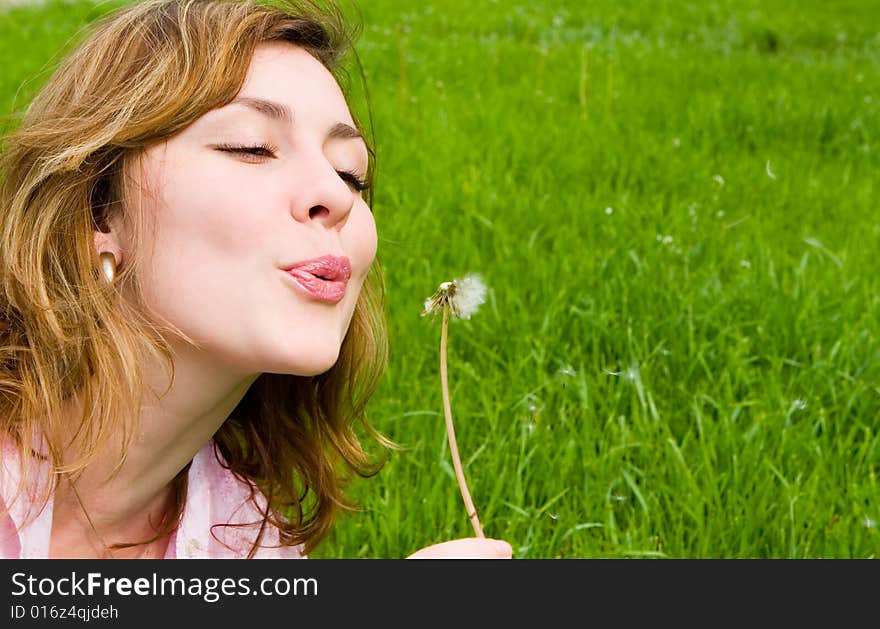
(466, 548)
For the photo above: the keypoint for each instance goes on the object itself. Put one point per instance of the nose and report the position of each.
(320, 194)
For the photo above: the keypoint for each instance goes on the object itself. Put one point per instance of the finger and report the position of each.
(502, 549)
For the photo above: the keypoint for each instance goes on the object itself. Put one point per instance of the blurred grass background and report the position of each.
(673, 205)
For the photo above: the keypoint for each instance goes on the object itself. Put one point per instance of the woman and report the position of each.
(191, 318)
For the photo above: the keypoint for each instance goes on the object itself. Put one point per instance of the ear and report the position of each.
(108, 241)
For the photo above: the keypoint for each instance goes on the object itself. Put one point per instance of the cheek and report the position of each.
(361, 238)
(210, 215)
(207, 234)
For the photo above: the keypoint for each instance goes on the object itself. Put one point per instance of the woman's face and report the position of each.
(249, 190)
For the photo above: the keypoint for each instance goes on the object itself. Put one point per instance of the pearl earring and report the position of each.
(108, 265)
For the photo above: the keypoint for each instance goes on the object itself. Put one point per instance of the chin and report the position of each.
(317, 363)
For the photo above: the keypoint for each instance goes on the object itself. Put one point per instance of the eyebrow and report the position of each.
(342, 131)
(282, 113)
(275, 111)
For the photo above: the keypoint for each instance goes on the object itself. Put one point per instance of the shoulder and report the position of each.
(10, 546)
(25, 511)
(223, 513)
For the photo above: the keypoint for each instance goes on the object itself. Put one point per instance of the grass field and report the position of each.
(674, 207)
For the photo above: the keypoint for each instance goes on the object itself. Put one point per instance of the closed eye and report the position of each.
(265, 150)
(260, 150)
(359, 184)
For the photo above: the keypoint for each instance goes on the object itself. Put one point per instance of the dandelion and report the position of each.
(461, 298)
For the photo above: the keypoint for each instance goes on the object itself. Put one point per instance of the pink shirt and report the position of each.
(214, 496)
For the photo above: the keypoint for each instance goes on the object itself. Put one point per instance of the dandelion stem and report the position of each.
(450, 431)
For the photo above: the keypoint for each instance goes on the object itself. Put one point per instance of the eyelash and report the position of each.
(267, 150)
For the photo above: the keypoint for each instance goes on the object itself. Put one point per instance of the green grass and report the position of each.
(674, 207)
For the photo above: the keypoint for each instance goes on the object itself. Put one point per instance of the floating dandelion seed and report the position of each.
(719, 180)
(461, 297)
(770, 172)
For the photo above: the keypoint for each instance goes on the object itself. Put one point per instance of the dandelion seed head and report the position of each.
(609, 210)
(469, 296)
(463, 296)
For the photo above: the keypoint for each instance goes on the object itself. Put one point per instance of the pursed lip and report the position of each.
(327, 267)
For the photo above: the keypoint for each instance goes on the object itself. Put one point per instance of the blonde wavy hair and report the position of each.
(143, 74)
